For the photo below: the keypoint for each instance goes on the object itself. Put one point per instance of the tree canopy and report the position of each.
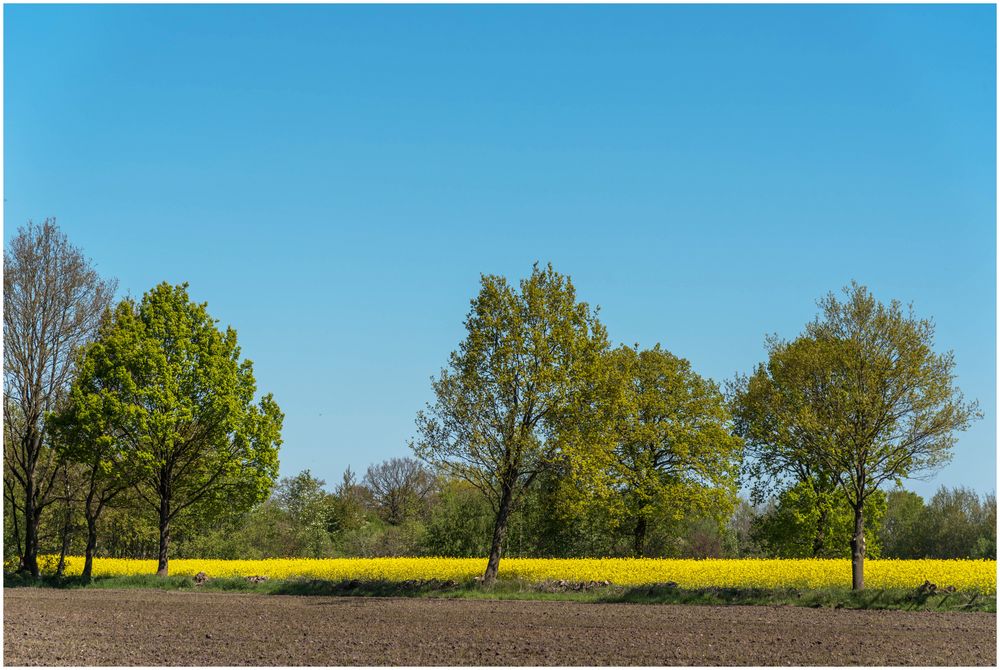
(504, 407)
(164, 383)
(861, 397)
(674, 445)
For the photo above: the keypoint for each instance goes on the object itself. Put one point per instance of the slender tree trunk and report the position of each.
(819, 540)
(639, 537)
(64, 546)
(499, 532)
(161, 566)
(88, 560)
(858, 550)
(17, 532)
(67, 525)
(30, 558)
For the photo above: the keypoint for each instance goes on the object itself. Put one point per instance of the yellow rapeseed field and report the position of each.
(965, 575)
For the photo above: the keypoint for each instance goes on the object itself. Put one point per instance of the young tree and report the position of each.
(53, 302)
(860, 397)
(87, 436)
(174, 394)
(515, 394)
(674, 441)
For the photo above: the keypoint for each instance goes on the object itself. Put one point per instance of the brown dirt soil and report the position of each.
(147, 627)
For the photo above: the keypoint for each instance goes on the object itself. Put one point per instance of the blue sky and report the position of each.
(333, 179)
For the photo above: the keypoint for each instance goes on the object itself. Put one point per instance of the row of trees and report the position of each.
(859, 400)
(571, 445)
(401, 508)
(147, 397)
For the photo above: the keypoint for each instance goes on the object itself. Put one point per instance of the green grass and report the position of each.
(891, 599)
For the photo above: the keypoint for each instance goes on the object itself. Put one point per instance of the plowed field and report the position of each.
(147, 627)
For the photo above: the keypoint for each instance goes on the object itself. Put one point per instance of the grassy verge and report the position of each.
(892, 599)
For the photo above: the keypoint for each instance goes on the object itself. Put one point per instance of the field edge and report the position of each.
(837, 598)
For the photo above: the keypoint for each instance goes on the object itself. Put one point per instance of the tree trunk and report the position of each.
(161, 567)
(499, 532)
(88, 560)
(64, 546)
(30, 559)
(16, 526)
(858, 550)
(820, 539)
(67, 525)
(639, 538)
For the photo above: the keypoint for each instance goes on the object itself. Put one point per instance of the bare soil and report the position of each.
(148, 627)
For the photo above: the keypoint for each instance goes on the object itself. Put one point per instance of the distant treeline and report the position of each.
(135, 428)
(400, 508)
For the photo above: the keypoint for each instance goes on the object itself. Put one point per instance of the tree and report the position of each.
(459, 522)
(901, 533)
(310, 509)
(774, 461)
(86, 436)
(399, 488)
(957, 524)
(53, 302)
(860, 397)
(174, 394)
(517, 393)
(674, 442)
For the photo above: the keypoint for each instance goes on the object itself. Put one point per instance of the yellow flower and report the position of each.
(964, 575)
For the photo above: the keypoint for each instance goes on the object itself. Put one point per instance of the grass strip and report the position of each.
(837, 598)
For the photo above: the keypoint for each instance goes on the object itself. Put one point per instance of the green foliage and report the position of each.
(502, 402)
(956, 523)
(860, 399)
(545, 443)
(674, 451)
(518, 394)
(167, 389)
(902, 529)
(801, 515)
(459, 523)
(379, 538)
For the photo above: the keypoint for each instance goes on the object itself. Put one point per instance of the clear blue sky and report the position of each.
(333, 179)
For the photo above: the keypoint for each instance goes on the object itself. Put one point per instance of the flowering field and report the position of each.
(965, 575)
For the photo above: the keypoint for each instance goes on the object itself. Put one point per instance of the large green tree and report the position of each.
(163, 384)
(674, 444)
(860, 397)
(518, 394)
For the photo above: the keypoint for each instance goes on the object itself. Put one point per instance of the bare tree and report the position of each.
(398, 487)
(53, 303)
